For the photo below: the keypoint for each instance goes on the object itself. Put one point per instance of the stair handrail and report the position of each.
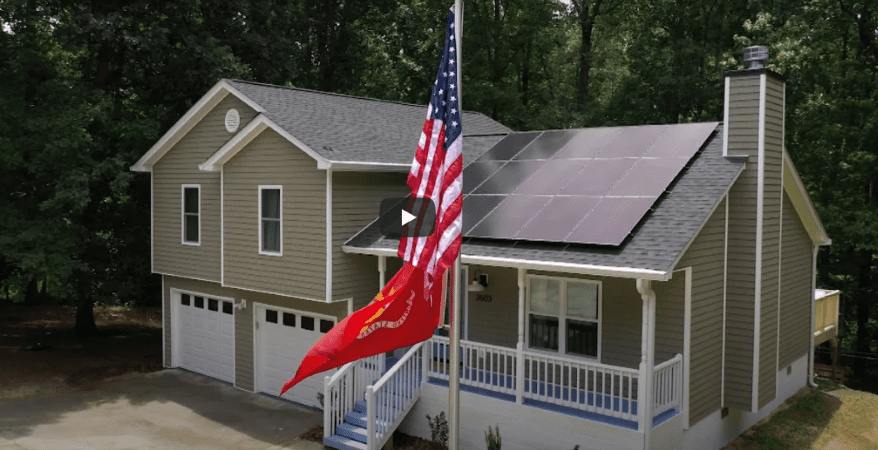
(409, 390)
(350, 381)
(330, 408)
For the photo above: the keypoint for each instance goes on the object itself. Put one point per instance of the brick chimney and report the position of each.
(753, 127)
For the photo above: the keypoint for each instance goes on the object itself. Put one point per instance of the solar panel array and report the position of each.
(589, 186)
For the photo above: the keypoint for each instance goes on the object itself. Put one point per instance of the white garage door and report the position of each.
(205, 335)
(283, 338)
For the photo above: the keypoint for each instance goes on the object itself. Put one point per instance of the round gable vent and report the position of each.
(232, 120)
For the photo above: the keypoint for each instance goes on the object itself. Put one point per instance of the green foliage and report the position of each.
(438, 428)
(492, 438)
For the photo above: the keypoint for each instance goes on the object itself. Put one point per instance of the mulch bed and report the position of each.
(400, 441)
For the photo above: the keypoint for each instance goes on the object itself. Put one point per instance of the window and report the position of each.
(227, 307)
(563, 315)
(308, 323)
(326, 325)
(191, 225)
(212, 304)
(270, 316)
(289, 319)
(199, 302)
(184, 299)
(270, 222)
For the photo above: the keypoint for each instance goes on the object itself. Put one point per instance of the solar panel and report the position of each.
(551, 177)
(546, 145)
(588, 143)
(589, 186)
(648, 177)
(477, 172)
(632, 141)
(509, 146)
(508, 218)
(681, 141)
(557, 219)
(598, 177)
(610, 221)
(476, 207)
(509, 177)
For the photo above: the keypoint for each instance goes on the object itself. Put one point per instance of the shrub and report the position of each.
(438, 428)
(492, 438)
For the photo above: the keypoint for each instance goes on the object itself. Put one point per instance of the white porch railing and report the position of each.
(346, 387)
(391, 397)
(575, 383)
(580, 384)
(485, 366)
(667, 385)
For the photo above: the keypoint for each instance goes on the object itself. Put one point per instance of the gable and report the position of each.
(196, 113)
(795, 188)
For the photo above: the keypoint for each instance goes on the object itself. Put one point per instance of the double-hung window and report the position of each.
(191, 214)
(564, 315)
(270, 220)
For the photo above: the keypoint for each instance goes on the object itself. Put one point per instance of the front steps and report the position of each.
(351, 435)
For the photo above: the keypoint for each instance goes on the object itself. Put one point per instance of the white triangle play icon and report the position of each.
(406, 217)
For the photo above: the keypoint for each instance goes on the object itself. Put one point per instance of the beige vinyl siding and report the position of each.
(244, 345)
(771, 207)
(178, 167)
(743, 135)
(795, 306)
(670, 297)
(494, 322)
(705, 257)
(356, 198)
(301, 272)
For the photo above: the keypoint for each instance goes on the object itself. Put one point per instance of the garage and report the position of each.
(283, 336)
(204, 332)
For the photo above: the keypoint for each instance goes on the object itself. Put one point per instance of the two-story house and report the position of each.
(631, 287)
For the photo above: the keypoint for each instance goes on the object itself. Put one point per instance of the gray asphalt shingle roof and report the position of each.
(655, 243)
(354, 129)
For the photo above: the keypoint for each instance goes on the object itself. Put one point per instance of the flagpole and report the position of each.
(454, 371)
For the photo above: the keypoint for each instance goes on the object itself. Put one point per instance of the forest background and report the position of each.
(86, 87)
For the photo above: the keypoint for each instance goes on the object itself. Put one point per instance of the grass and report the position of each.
(796, 427)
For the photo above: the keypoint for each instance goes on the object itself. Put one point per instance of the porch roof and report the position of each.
(655, 244)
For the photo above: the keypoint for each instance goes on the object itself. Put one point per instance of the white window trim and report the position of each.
(183, 214)
(280, 188)
(562, 317)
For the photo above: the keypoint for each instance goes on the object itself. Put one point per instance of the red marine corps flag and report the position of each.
(407, 310)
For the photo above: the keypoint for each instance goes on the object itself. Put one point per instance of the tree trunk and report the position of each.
(31, 293)
(85, 319)
(586, 23)
(864, 298)
(525, 73)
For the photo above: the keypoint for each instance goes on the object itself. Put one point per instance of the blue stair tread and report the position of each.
(351, 431)
(342, 443)
(356, 418)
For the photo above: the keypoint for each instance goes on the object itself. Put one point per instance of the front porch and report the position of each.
(575, 387)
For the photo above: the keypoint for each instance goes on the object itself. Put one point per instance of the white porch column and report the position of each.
(647, 359)
(519, 367)
(382, 268)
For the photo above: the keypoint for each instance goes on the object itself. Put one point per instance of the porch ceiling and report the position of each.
(654, 246)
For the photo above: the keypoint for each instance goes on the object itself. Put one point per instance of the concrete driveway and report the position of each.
(169, 409)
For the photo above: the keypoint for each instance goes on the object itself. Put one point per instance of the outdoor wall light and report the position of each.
(241, 305)
(479, 283)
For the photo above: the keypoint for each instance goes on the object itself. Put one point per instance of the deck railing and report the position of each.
(825, 313)
(390, 398)
(485, 366)
(346, 387)
(667, 385)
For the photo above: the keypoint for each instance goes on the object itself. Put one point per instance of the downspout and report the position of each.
(811, 328)
(647, 351)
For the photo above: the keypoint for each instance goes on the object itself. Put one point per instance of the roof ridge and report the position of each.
(294, 88)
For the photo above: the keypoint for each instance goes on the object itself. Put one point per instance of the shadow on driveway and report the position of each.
(169, 409)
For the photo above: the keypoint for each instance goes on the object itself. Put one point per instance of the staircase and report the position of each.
(364, 405)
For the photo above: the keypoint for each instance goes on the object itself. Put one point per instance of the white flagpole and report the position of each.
(453, 370)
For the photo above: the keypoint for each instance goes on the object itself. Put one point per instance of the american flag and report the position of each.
(436, 171)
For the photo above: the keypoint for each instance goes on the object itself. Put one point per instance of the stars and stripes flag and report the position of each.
(408, 308)
(437, 168)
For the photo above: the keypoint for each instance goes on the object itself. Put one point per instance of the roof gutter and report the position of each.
(584, 269)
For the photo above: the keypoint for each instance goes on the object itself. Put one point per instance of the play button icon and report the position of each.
(407, 216)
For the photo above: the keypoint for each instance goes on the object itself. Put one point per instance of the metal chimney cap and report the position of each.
(755, 57)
